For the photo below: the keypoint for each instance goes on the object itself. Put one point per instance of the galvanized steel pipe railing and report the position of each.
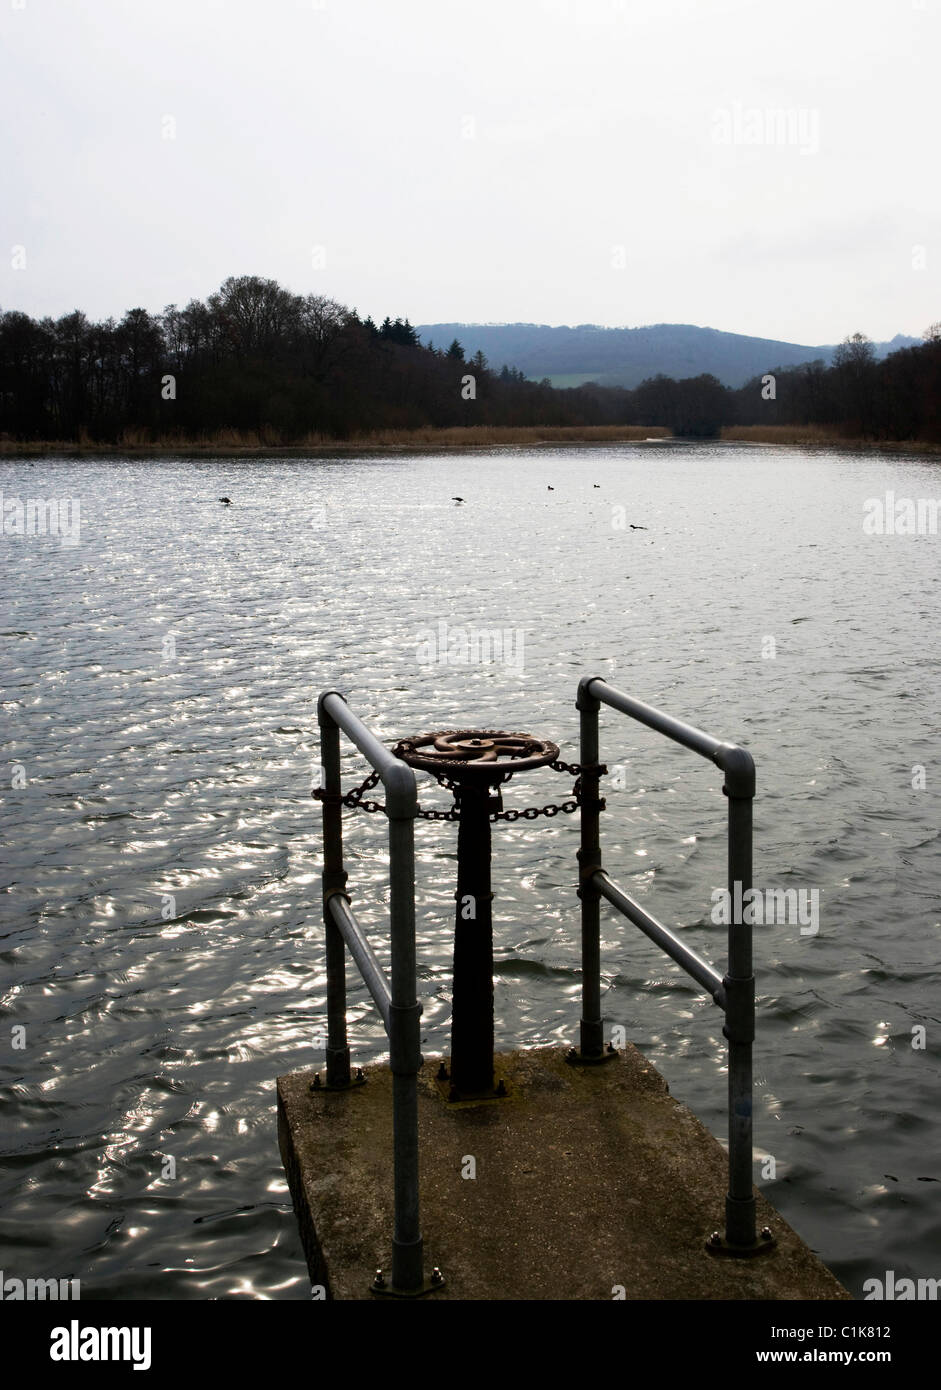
(397, 1002)
(735, 992)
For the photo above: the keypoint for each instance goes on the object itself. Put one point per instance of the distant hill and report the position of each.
(625, 356)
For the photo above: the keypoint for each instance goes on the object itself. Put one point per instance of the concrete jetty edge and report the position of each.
(584, 1183)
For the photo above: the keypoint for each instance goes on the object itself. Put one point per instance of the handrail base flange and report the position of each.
(319, 1088)
(720, 1247)
(579, 1059)
(427, 1286)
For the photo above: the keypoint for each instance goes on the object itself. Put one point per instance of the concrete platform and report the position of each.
(587, 1179)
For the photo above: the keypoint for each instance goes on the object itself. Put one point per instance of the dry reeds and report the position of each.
(268, 440)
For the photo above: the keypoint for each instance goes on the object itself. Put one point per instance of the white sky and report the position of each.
(480, 161)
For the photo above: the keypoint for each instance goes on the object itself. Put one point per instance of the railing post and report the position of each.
(591, 1030)
(740, 1001)
(404, 1036)
(334, 881)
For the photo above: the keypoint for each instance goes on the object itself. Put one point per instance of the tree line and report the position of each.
(859, 396)
(256, 357)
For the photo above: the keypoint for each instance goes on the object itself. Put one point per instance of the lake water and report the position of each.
(162, 941)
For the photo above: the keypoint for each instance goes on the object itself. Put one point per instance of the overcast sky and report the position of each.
(764, 169)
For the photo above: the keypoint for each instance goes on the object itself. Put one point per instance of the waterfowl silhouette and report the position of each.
(226, 500)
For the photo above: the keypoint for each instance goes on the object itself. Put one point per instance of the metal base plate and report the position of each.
(323, 1088)
(500, 1089)
(723, 1250)
(577, 1059)
(429, 1286)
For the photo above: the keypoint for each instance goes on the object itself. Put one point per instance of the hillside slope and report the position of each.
(626, 356)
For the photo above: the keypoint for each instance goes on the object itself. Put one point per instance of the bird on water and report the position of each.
(457, 499)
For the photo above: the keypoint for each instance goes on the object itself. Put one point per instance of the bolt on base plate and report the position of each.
(319, 1088)
(578, 1059)
(716, 1244)
(434, 1282)
(499, 1090)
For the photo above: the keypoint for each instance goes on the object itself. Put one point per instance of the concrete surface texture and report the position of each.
(589, 1183)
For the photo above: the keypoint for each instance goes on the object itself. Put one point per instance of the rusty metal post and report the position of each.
(472, 1008)
(469, 762)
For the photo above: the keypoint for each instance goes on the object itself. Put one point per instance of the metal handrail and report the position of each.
(701, 971)
(359, 948)
(735, 991)
(397, 1002)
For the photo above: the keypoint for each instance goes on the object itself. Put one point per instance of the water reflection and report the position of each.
(162, 938)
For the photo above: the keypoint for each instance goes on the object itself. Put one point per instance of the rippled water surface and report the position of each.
(161, 939)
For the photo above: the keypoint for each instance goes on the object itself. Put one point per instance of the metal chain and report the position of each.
(356, 801)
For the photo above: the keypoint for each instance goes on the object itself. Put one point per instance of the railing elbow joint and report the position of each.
(324, 718)
(401, 792)
(585, 700)
(739, 768)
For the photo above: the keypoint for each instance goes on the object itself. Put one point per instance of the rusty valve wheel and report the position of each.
(488, 755)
